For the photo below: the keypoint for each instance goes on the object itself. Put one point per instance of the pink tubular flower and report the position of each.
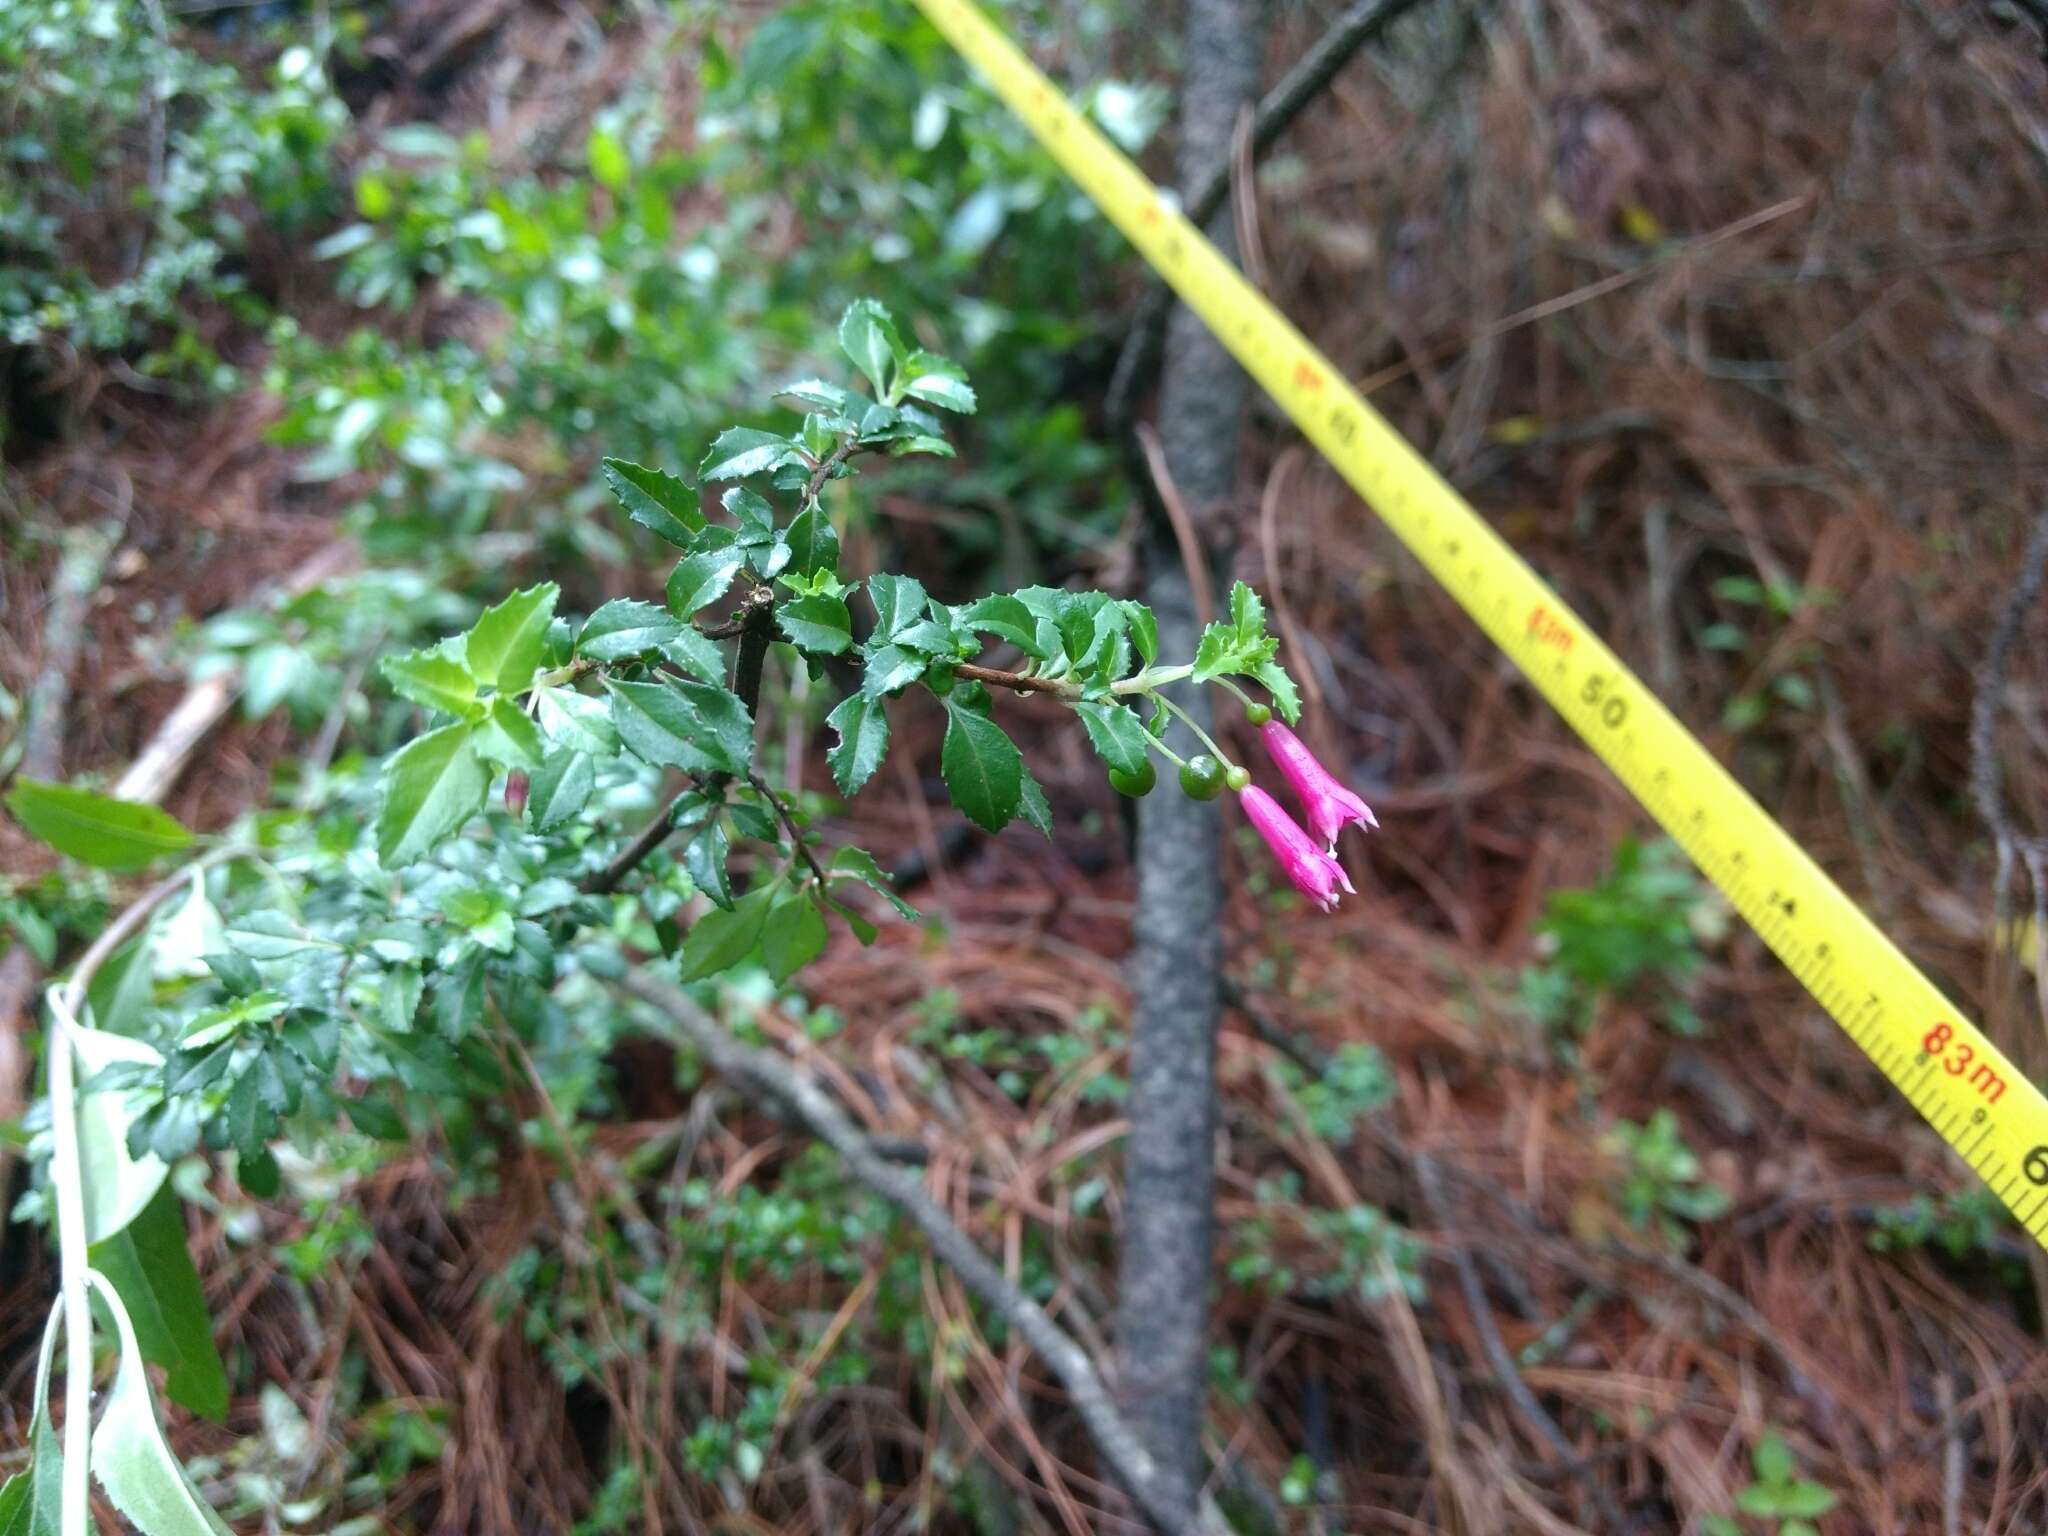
(1315, 873)
(1328, 804)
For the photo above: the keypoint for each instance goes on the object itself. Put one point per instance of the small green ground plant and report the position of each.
(1778, 1499)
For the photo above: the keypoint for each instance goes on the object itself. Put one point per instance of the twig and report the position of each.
(1360, 23)
(796, 833)
(761, 1075)
(1020, 682)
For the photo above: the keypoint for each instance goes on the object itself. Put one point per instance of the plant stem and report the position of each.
(1151, 678)
(68, 1176)
(1019, 682)
(1165, 751)
(1194, 725)
(1242, 697)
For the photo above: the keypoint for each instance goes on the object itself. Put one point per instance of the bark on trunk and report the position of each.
(1162, 1309)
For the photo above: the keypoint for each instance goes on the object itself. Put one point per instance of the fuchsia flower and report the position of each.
(1329, 805)
(1315, 874)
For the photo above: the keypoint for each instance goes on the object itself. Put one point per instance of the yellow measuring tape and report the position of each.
(1982, 1104)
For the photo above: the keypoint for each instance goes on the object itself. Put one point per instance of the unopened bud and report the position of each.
(516, 785)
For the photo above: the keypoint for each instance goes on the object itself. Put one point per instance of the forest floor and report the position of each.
(1786, 469)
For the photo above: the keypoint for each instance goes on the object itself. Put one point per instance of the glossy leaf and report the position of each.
(505, 645)
(863, 726)
(1002, 615)
(702, 578)
(858, 864)
(1116, 733)
(742, 451)
(794, 934)
(868, 336)
(721, 938)
(817, 623)
(149, 1264)
(694, 726)
(431, 788)
(433, 679)
(982, 767)
(656, 500)
(624, 628)
(508, 737)
(560, 788)
(813, 544)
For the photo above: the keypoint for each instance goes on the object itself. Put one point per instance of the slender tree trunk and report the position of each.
(1162, 1317)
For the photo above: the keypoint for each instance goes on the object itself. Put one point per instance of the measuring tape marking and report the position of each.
(1994, 1118)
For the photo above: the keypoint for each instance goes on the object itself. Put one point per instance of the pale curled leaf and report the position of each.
(129, 1456)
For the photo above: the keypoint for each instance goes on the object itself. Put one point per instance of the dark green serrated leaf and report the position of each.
(831, 397)
(868, 336)
(96, 829)
(656, 500)
(375, 1118)
(1116, 733)
(1003, 615)
(854, 863)
(1144, 630)
(742, 451)
(694, 726)
(793, 936)
(1286, 698)
(704, 857)
(899, 603)
(624, 628)
(863, 726)
(697, 654)
(817, 622)
(236, 971)
(431, 788)
(813, 543)
(703, 577)
(891, 669)
(720, 939)
(1033, 806)
(150, 1267)
(982, 768)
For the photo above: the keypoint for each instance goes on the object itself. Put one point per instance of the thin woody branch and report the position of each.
(766, 1077)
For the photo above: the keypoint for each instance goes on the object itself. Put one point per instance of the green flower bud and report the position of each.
(1237, 779)
(1258, 714)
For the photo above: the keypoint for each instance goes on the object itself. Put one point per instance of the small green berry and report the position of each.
(1237, 779)
(1258, 714)
(1134, 784)
(1201, 778)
